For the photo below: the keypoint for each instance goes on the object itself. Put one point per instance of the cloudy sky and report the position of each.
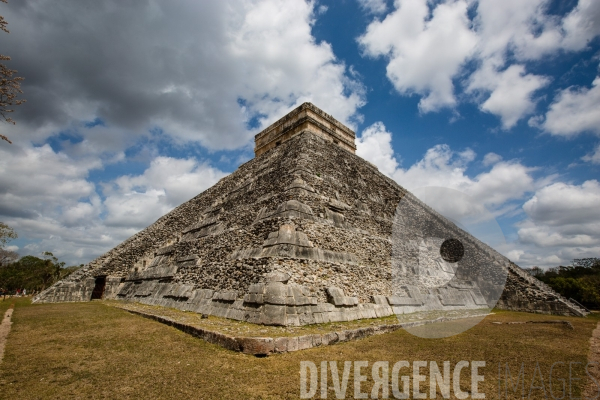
(134, 107)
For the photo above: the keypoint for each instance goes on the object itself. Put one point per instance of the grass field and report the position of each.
(91, 350)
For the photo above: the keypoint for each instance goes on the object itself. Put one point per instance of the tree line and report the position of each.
(579, 281)
(31, 273)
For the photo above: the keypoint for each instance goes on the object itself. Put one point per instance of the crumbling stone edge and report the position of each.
(264, 346)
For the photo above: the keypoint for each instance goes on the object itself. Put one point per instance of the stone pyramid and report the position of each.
(302, 234)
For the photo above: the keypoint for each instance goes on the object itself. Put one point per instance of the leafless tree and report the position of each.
(6, 234)
(10, 85)
(7, 257)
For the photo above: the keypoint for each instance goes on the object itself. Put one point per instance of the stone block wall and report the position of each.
(307, 209)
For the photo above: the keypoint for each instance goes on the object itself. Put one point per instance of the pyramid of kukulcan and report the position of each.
(303, 234)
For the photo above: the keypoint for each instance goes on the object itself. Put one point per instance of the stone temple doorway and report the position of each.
(98, 291)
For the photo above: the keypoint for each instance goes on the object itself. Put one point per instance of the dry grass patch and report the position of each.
(89, 350)
(5, 303)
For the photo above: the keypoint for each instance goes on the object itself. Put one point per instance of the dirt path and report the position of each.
(592, 389)
(5, 329)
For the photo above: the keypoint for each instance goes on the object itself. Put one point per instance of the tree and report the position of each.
(6, 233)
(586, 262)
(535, 271)
(7, 257)
(33, 273)
(580, 280)
(53, 264)
(10, 85)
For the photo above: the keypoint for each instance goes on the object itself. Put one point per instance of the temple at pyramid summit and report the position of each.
(307, 232)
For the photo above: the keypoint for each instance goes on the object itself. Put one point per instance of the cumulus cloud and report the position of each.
(137, 201)
(582, 24)
(562, 204)
(434, 49)
(573, 111)
(105, 78)
(424, 52)
(563, 221)
(48, 199)
(557, 222)
(502, 86)
(38, 181)
(373, 6)
(47, 196)
(441, 166)
(200, 71)
(523, 28)
(375, 145)
(510, 92)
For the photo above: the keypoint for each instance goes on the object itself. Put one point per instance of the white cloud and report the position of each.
(430, 46)
(582, 24)
(282, 64)
(525, 30)
(137, 201)
(46, 196)
(594, 157)
(506, 181)
(510, 92)
(48, 199)
(496, 188)
(186, 72)
(522, 27)
(560, 221)
(375, 145)
(38, 181)
(574, 110)
(440, 166)
(373, 6)
(491, 159)
(563, 223)
(197, 70)
(563, 204)
(424, 52)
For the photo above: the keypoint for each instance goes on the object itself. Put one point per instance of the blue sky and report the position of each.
(134, 108)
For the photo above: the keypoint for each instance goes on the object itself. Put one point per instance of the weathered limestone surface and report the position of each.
(525, 293)
(264, 346)
(300, 234)
(306, 118)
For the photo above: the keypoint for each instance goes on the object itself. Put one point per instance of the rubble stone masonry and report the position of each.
(300, 234)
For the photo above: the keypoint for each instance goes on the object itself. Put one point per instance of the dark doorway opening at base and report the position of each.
(98, 291)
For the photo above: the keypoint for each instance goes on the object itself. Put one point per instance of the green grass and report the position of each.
(90, 350)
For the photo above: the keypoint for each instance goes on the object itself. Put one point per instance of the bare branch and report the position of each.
(10, 85)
